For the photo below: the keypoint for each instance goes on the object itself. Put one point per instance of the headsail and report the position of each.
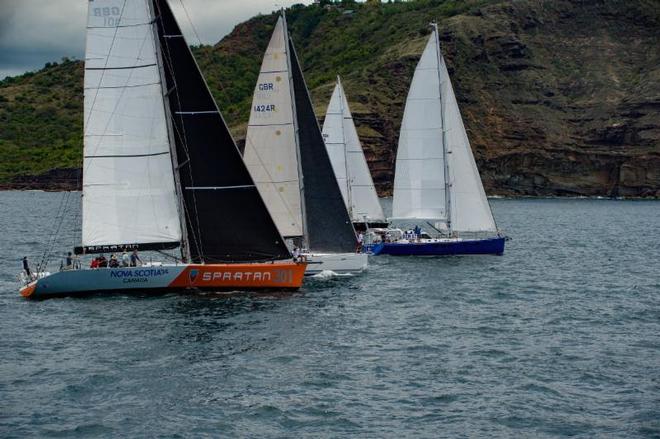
(129, 196)
(470, 210)
(270, 143)
(348, 161)
(226, 218)
(436, 176)
(329, 226)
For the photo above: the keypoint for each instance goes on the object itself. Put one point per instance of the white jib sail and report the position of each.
(470, 210)
(348, 161)
(270, 144)
(128, 182)
(419, 179)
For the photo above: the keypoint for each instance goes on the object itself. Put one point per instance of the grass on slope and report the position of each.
(41, 120)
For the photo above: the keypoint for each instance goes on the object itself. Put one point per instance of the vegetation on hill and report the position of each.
(559, 97)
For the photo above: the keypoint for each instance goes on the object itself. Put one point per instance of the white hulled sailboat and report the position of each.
(436, 182)
(161, 170)
(286, 156)
(350, 166)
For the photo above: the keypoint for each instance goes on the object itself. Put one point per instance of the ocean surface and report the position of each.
(560, 337)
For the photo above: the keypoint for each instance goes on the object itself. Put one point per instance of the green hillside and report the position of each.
(559, 97)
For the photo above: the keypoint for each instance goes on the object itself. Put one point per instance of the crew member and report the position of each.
(125, 259)
(360, 241)
(26, 266)
(69, 261)
(135, 259)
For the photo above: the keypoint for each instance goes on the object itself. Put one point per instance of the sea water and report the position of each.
(560, 337)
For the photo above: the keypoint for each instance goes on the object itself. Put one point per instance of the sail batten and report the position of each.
(129, 197)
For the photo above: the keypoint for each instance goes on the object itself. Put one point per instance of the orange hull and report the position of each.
(247, 276)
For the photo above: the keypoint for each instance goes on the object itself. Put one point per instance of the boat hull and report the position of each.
(341, 263)
(163, 278)
(489, 246)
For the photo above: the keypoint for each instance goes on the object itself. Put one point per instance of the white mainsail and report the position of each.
(419, 178)
(426, 154)
(348, 161)
(270, 144)
(128, 181)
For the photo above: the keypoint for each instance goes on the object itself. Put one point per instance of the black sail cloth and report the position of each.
(226, 218)
(329, 227)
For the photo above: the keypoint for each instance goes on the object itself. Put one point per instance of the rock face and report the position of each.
(571, 104)
(559, 97)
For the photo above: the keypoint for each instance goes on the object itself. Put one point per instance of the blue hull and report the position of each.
(489, 246)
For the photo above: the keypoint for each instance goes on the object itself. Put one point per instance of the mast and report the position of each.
(349, 197)
(185, 245)
(301, 183)
(445, 151)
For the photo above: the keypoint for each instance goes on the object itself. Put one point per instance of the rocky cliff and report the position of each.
(559, 97)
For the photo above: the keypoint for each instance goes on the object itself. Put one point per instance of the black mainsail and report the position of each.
(329, 226)
(225, 217)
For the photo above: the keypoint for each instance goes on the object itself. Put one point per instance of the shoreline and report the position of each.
(5, 188)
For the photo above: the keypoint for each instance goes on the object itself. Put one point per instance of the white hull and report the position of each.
(340, 263)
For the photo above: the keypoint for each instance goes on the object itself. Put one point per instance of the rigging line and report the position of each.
(167, 62)
(199, 40)
(53, 239)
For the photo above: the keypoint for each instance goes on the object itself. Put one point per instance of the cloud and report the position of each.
(34, 32)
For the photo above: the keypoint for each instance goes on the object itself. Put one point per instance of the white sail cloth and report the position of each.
(128, 182)
(420, 190)
(270, 144)
(348, 161)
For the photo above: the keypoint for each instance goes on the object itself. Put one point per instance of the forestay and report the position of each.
(470, 210)
(348, 161)
(270, 144)
(128, 184)
(419, 179)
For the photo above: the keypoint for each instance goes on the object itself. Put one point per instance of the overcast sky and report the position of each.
(34, 32)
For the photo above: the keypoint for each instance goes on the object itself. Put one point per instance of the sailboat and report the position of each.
(436, 181)
(161, 170)
(287, 159)
(349, 163)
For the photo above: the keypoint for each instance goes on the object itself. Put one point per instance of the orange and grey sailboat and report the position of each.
(161, 170)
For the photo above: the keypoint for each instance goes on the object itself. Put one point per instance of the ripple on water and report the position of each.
(559, 337)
